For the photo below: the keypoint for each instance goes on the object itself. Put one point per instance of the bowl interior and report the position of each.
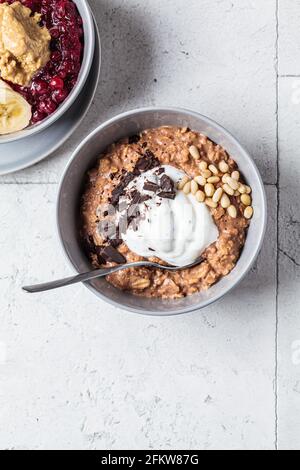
(88, 53)
(84, 158)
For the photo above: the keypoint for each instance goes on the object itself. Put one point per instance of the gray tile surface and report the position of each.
(77, 373)
(289, 265)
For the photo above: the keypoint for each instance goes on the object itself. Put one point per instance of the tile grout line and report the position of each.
(277, 226)
(289, 76)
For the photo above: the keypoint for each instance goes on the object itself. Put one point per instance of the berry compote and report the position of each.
(52, 84)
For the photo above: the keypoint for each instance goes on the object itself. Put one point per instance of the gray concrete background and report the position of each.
(77, 373)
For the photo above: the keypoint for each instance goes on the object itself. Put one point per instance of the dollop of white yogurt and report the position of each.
(176, 231)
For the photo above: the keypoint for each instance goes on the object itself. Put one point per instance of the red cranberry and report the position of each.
(38, 116)
(59, 95)
(54, 32)
(55, 57)
(39, 87)
(47, 106)
(57, 83)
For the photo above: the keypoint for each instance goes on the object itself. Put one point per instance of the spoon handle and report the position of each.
(74, 279)
(99, 273)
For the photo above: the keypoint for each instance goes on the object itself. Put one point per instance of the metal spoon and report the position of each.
(101, 273)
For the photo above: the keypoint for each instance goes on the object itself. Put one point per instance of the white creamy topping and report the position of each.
(176, 231)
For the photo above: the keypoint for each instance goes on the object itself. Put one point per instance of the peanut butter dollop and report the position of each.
(24, 44)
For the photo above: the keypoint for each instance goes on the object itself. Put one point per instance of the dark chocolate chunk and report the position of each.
(167, 195)
(145, 198)
(150, 186)
(115, 242)
(135, 197)
(100, 258)
(149, 154)
(120, 188)
(134, 139)
(147, 162)
(109, 253)
(166, 183)
(160, 171)
(89, 245)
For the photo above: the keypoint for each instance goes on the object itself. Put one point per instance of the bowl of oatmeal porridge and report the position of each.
(165, 185)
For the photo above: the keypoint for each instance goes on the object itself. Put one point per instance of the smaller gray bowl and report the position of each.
(87, 60)
(85, 157)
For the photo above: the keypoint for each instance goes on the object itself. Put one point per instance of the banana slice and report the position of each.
(15, 112)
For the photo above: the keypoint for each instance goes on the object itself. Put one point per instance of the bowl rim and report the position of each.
(226, 133)
(82, 77)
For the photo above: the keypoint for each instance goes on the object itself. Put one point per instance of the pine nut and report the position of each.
(206, 173)
(246, 199)
(141, 284)
(187, 188)
(232, 183)
(235, 175)
(209, 189)
(242, 189)
(200, 196)
(225, 201)
(183, 182)
(224, 178)
(232, 211)
(236, 193)
(248, 190)
(218, 194)
(200, 180)
(194, 152)
(213, 179)
(228, 189)
(203, 166)
(223, 166)
(210, 203)
(248, 212)
(194, 187)
(213, 169)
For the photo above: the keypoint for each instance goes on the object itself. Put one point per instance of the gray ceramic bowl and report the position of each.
(85, 157)
(88, 54)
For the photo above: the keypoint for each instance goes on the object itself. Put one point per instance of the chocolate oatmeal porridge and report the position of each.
(171, 196)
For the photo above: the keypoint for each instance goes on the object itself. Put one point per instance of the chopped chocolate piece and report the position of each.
(145, 198)
(109, 253)
(150, 186)
(89, 245)
(120, 188)
(135, 197)
(160, 171)
(115, 242)
(150, 249)
(145, 145)
(134, 139)
(100, 258)
(105, 213)
(166, 183)
(147, 162)
(149, 154)
(167, 195)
